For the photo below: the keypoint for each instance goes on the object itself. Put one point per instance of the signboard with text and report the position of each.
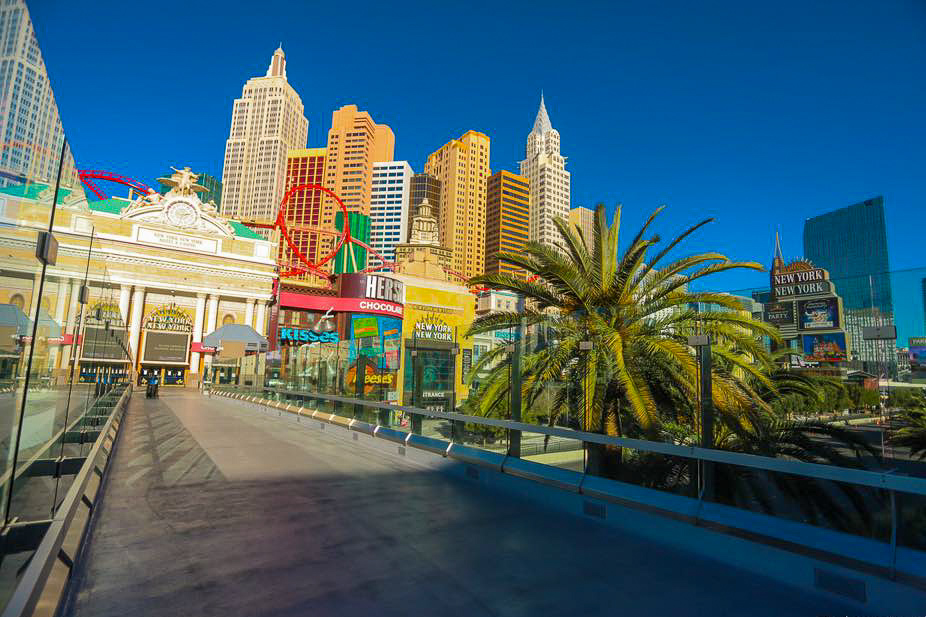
(779, 313)
(166, 347)
(103, 344)
(182, 242)
(433, 328)
(467, 364)
(372, 286)
(800, 283)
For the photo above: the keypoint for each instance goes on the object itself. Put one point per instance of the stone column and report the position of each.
(211, 315)
(60, 306)
(249, 311)
(261, 325)
(34, 300)
(71, 326)
(197, 331)
(138, 307)
(125, 294)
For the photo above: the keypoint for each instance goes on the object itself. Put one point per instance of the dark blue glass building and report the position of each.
(852, 244)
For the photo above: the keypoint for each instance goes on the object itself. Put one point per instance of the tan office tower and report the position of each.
(508, 209)
(355, 142)
(267, 122)
(584, 219)
(462, 166)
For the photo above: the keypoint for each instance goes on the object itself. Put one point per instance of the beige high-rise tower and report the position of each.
(267, 121)
(462, 166)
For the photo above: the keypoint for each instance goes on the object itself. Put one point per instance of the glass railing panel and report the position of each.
(555, 451)
(840, 506)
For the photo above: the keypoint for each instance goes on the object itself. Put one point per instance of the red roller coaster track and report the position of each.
(88, 175)
(307, 265)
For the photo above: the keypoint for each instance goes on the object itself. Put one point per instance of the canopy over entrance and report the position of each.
(235, 335)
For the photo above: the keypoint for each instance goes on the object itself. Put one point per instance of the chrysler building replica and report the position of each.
(545, 167)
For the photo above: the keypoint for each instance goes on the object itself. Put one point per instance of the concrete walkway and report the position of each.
(214, 509)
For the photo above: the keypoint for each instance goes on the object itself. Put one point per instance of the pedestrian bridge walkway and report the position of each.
(213, 508)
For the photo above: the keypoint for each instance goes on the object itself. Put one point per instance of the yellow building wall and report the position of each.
(456, 308)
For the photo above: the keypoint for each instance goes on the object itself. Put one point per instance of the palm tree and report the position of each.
(913, 433)
(636, 309)
(843, 506)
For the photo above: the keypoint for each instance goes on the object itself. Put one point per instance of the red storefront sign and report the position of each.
(292, 300)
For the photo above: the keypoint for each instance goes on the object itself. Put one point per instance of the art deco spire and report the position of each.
(778, 262)
(277, 64)
(542, 123)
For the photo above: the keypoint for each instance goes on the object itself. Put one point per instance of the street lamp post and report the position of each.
(702, 343)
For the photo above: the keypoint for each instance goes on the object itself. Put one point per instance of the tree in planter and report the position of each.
(635, 310)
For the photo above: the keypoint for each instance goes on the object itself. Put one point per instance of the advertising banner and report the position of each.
(918, 359)
(166, 347)
(100, 344)
(825, 347)
(374, 336)
(918, 355)
(819, 314)
(779, 313)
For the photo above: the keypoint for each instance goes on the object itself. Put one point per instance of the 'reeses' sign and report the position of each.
(800, 283)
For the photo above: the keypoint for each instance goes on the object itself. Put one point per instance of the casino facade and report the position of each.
(150, 276)
(384, 336)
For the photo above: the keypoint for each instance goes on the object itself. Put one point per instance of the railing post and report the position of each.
(707, 418)
(514, 436)
(895, 532)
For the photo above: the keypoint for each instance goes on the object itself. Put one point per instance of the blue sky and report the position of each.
(758, 114)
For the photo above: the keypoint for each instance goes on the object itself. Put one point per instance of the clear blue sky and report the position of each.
(759, 114)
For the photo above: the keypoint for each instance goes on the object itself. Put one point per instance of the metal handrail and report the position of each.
(22, 469)
(31, 584)
(873, 479)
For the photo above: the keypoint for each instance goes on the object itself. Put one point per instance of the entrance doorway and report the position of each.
(166, 375)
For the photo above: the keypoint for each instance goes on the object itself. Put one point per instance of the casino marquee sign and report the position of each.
(800, 279)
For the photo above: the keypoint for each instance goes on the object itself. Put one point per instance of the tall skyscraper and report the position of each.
(304, 211)
(423, 186)
(31, 135)
(267, 122)
(852, 244)
(545, 167)
(584, 219)
(507, 220)
(389, 218)
(355, 143)
(462, 166)
(924, 306)
(213, 189)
